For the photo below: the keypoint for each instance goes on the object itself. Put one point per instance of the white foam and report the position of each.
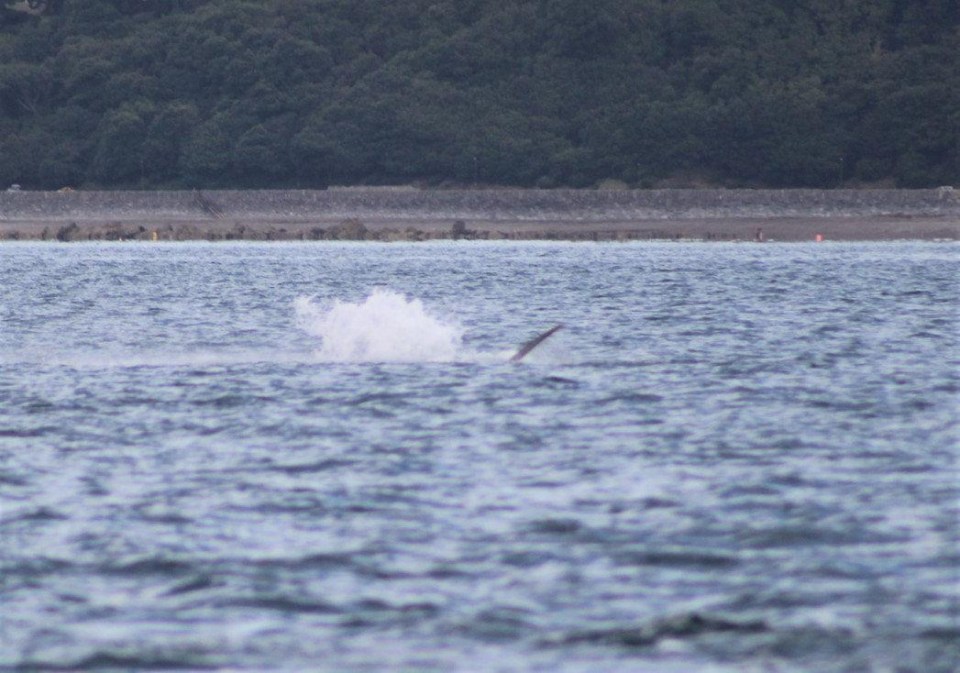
(384, 327)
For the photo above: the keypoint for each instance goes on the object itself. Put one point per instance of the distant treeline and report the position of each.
(548, 93)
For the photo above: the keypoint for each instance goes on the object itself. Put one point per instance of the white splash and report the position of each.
(385, 327)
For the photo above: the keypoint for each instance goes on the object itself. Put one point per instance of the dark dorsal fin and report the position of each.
(533, 343)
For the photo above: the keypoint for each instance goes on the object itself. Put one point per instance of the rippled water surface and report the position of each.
(318, 457)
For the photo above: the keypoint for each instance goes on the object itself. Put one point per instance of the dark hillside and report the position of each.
(307, 93)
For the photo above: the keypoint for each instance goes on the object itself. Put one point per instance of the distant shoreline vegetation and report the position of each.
(183, 94)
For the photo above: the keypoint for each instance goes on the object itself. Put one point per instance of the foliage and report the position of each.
(269, 93)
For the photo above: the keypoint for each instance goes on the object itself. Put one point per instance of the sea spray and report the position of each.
(384, 327)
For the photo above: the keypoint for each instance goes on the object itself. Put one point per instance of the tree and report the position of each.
(205, 154)
(25, 89)
(119, 156)
(165, 138)
(529, 92)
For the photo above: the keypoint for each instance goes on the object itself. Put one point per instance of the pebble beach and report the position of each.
(393, 214)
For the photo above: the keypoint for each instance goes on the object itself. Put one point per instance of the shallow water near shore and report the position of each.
(291, 457)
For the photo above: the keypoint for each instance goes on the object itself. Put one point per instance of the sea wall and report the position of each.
(487, 204)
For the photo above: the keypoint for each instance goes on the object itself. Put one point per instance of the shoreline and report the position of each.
(393, 214)
(772, 229)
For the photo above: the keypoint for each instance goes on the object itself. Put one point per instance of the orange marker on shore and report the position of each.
(819, 238)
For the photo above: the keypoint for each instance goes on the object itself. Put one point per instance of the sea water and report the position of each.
(289, 457)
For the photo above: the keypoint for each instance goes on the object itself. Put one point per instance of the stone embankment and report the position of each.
(414, 214)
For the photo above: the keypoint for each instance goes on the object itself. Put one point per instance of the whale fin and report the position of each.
(534, 342)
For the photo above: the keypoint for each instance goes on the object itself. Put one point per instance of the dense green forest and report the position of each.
(547, 93)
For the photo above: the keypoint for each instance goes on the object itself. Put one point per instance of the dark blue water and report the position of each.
(318, 457)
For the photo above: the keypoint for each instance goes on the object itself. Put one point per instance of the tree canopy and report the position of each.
(548, 93)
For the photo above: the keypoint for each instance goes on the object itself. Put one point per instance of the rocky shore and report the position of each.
(406, 214)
